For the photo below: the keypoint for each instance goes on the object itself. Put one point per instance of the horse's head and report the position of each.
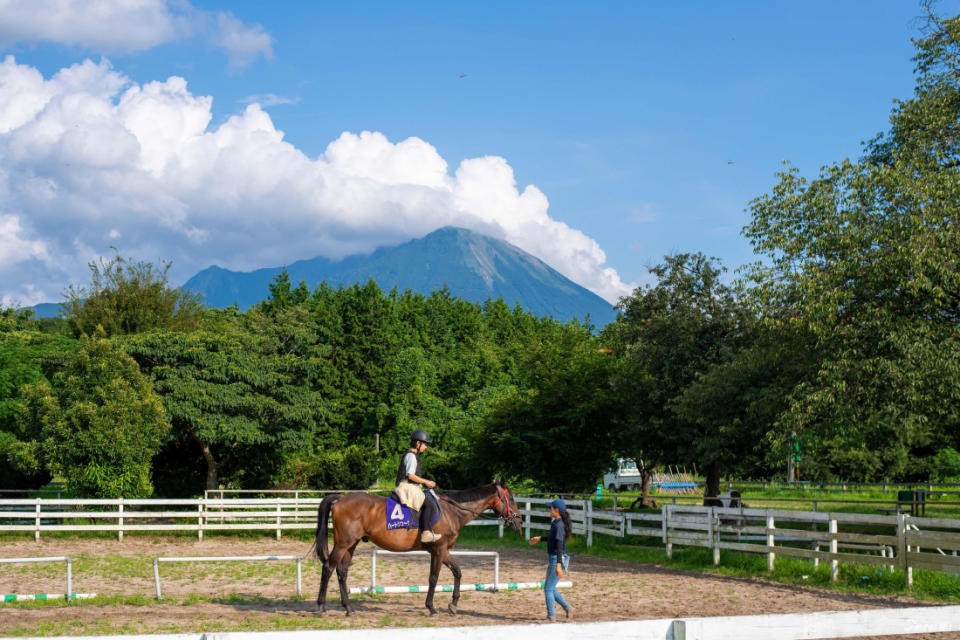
(506, 507)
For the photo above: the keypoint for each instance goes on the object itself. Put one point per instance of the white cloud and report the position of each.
(88, 157)
(242, 43)
(268, 100)
(128, 26)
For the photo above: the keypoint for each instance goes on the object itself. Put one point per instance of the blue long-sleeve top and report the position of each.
(557, 538)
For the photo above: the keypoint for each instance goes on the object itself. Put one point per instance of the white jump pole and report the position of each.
(46, 559)
(503, 586)
(157, 561)
(479, 554)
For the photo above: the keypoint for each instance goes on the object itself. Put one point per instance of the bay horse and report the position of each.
(362, 516)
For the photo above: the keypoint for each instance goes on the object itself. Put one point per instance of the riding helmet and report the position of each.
(420, 436)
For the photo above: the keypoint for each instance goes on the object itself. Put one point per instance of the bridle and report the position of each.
(502, 497)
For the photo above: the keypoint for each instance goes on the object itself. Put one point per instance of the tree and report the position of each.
(239, 399)
(27, 357)
(866, 259)
(100, 422)
(127, 297)
(675, 331)
(561, 428)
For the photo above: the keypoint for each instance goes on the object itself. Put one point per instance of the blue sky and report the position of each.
(624, 116)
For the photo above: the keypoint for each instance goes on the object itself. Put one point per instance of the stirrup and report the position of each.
(429, 536)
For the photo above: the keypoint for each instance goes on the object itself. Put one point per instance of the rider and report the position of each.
(410, 483)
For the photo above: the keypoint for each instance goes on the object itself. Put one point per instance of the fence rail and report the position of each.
(898, 542)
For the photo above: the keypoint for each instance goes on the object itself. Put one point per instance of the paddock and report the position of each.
(221, 597)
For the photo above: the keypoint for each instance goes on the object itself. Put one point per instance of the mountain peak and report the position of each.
(473, 266)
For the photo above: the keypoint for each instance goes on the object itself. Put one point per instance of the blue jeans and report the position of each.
(550, 588)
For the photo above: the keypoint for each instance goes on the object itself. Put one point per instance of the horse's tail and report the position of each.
(323, 515)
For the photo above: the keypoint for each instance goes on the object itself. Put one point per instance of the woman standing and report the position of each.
(556, 549)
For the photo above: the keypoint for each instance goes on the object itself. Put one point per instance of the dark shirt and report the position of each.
(402, 469)
(556, 539)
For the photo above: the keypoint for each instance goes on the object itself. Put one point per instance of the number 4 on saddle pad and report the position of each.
(403, 517)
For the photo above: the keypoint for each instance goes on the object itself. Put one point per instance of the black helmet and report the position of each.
(420, 436)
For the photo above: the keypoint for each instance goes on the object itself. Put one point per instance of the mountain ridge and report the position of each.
(472, 266)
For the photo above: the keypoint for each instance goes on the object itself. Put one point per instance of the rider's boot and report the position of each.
(429, 536)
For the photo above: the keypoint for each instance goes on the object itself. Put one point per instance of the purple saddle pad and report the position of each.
(402, 517)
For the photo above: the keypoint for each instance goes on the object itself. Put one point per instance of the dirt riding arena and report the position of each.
(260, 592)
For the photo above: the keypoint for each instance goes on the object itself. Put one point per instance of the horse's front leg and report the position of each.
(455, 570)
(434, 574)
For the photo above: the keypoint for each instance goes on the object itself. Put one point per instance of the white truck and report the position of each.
(624, 477)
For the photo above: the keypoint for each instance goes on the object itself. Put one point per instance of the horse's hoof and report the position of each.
(432, 611)
(453, 609)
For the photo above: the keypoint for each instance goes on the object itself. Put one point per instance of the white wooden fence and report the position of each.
(896, 542)
(39, 515)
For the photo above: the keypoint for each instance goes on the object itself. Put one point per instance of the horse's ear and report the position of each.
(498, 482)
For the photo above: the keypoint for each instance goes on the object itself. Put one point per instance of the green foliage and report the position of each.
(945, 465)
(864, 259)
(240, 398)
(100, 421)
(349, 467)
(673, 333)
(26, 357)
(127, 297)
(561, 429)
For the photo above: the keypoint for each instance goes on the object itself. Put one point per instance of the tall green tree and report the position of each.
(560, 430)
(126, 297)
(866, 260)
(100, 421)
(675, 331)
(239, 400)
(28, 356)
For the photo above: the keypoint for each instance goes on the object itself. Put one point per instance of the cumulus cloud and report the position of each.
(129, 26)
(89, 158)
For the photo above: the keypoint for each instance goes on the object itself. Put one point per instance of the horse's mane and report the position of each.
(469, 495)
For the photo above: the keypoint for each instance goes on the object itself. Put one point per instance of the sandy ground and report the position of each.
(603, 589)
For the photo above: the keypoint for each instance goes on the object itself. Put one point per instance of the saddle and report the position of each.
(400, 516)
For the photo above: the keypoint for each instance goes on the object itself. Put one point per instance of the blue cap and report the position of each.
(559, 504)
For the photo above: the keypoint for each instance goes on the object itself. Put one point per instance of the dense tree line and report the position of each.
(841, 343)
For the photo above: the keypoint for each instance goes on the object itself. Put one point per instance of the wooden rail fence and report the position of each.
(896, 542)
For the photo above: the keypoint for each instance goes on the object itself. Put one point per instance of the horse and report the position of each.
(362, 516)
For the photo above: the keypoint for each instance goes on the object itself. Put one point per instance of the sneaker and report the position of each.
(549, 619)
(430, 536)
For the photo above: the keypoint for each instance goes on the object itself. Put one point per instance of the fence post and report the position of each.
(69, 579)
(500, 528)
(714, 533)
(834, 563)
(199, 524)
(526, 521)
(902, 544)
(278, 518)
(588, 521)
(666, 531)
(816, 547)
(36, 533)
(771, 555)
(120, 521)
(299, 577)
